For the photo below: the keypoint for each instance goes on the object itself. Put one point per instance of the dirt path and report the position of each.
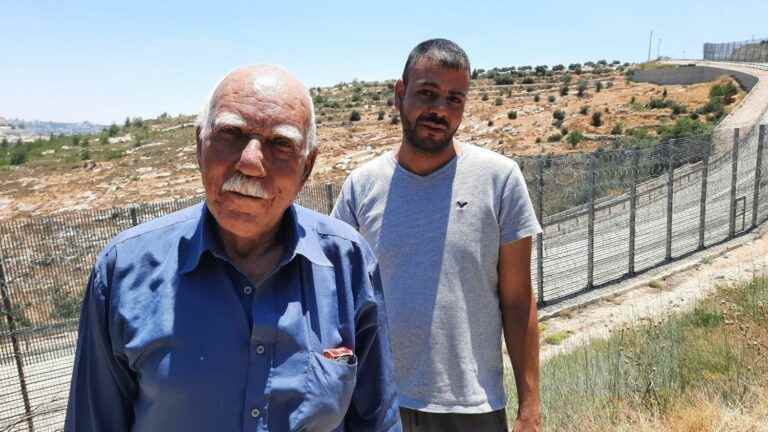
(675, 287)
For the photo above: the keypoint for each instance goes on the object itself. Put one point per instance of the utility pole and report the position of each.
(650, 44)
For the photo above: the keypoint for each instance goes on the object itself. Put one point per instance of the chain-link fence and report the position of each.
(755, 51)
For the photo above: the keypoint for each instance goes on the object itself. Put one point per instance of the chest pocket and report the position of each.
(329, 384)
(328, 392)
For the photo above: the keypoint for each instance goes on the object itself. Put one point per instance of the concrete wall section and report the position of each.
(687, 75)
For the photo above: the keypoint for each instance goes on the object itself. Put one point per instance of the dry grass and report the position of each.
(702, 370)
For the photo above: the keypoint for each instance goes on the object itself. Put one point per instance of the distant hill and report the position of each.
(37, 127)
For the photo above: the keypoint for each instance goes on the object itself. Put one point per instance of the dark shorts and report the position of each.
(420, 421)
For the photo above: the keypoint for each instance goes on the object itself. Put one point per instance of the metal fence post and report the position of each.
(591, 223)
(11, 321)
(134, 216)
(734, 172)
(703, 203)
(758, 173)
(670, 194)
(540, 236)
(328, 198)
(633, 210)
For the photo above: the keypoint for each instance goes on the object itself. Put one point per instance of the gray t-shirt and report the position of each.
(437, 238)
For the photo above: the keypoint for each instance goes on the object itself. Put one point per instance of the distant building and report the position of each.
(4, 124)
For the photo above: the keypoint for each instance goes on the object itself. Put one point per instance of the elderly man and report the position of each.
(451, 225)
(246, 312)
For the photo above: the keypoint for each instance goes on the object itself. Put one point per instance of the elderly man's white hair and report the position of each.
(205, 120)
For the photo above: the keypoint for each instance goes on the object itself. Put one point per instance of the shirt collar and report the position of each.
(297, 231)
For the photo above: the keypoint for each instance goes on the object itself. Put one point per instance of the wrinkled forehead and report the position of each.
(246, 93)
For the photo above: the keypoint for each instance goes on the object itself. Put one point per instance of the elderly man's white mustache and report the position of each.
(244, 185)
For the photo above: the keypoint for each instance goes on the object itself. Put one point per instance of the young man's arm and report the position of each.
(521, 332)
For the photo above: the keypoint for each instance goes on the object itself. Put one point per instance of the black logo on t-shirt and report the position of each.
(461, 204)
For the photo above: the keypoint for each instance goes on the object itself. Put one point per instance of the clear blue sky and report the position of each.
(102, 60)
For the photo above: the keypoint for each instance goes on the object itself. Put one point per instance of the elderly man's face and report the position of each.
(253, 163)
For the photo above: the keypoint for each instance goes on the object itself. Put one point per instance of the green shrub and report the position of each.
(551, 99)
(498, 101)
(558, 114)
(395, 120)
(684, 127)
(582, 89)
(512, 115)
(678, 109)
(18, 155)
(617, 129)
(536, 98)
(380, 116)
(554, 138)
(85, 154)
(528, 80)
(660, 103)
(599, 86)
(597, 119)
(584, 110)
(564, 90)
(574, 138)
(484, 97)
(354, 116)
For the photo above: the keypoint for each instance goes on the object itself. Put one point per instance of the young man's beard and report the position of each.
(424, 145)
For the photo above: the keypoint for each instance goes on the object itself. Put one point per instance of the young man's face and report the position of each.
(431, 105)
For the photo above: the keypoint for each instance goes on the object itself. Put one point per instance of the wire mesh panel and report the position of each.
(566, 185)
(762, 205)
(651, 216)
(687, 157)
(754, 50)
(614, 171)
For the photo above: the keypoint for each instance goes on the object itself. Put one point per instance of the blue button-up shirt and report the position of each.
(174, 338)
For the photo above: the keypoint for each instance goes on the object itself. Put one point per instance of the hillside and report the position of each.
(516, 112)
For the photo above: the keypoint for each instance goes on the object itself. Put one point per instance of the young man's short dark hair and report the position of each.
(443, 51)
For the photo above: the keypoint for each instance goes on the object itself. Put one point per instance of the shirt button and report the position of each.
(260, 349)
(247, 290)
(255, 413)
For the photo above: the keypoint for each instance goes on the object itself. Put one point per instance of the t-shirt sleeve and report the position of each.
(517, 218)
(345, 208)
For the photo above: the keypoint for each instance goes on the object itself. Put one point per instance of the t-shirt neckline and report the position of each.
(464, 149)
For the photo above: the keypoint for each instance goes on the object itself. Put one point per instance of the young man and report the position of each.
(451, 225)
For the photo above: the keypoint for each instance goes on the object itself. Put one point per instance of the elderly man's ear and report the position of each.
(199, 144)
(309, 163)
